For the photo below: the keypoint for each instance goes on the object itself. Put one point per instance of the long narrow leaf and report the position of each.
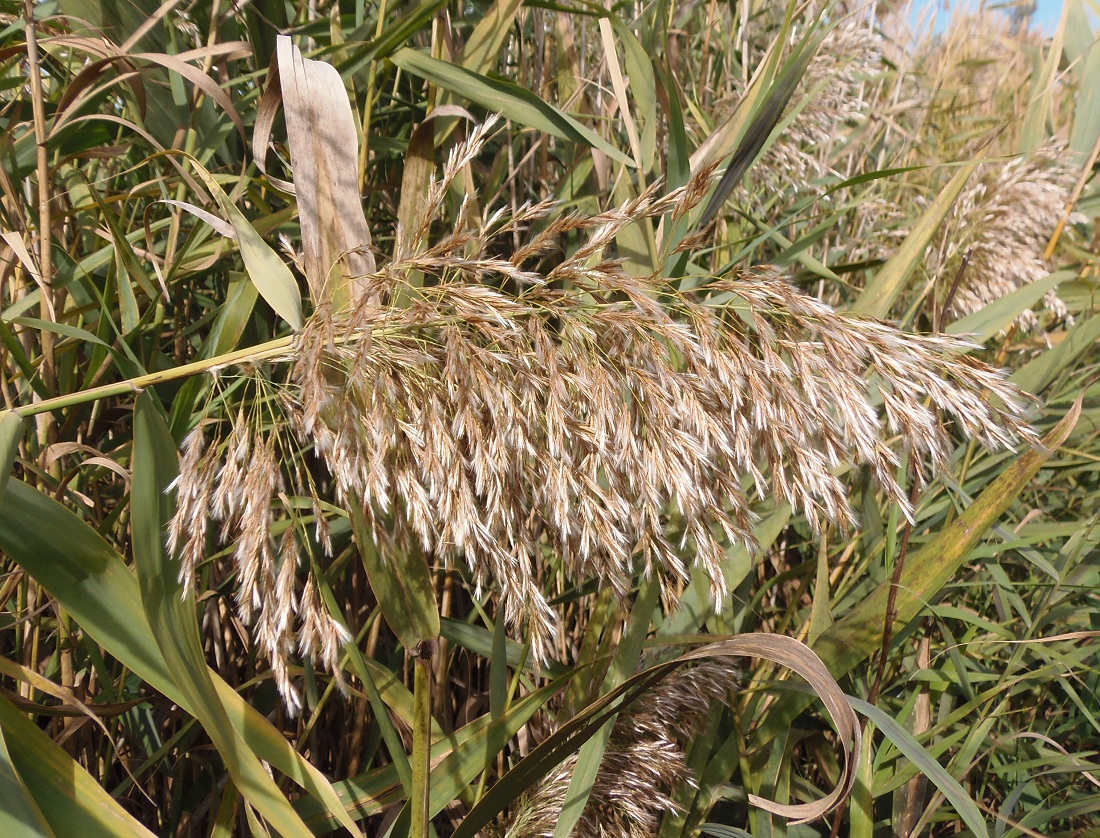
(11, 432)
(516, 103)
(173, 621)
(88, 578)
(783, 650)
(19, 813)
(888, 283)
(948, 785)
(65, 795)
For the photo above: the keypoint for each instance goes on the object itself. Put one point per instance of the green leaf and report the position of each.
(73, 562)
(393, 36)
(858, 634)
(11, 433)
(696, 606)
(58, 328)
(931, 769)
(591, 753)
(1084, 58)
(173, 620)
(482, 50)
(991, 319)
(678, 161)
(19, 813)
(457, 760)
(403, 588)
(764, 120)
(1035, 125)
(232, 317)
(512, 101)
(1038, 373)
(267, 271)
(862, 819)
(88, 578)
(64, 794)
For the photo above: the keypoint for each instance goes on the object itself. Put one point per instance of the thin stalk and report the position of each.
(368, 106)
(45, 256)
(892, 601)
(422, 739)
(259, 352)
(190, 142)
(48, 340)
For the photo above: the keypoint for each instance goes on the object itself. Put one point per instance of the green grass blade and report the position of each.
(1035, 126)
(405, 593)
(232, 317)
(903, 740)
(87, 576)
(1082, 53)
(512, 101)
(591, 753)
(171, 615)
(858, 634)
(1038, 373)
(19, 813)
(764, 121)
(988, 321)
(482, 50)
(11, 433)
(392, 37)
(862, 821)
(66, 796)
(63, 329)
(265, 268)
(643, 88)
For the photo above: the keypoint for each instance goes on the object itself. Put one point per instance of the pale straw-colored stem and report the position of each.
(259, 352)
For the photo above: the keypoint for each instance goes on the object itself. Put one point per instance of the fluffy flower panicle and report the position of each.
(513, 417)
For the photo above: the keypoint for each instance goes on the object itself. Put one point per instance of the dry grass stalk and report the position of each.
(510, 416)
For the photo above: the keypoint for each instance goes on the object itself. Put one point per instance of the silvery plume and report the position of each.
(530, 415)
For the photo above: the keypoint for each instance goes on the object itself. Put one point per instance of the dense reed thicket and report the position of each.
(527, 419)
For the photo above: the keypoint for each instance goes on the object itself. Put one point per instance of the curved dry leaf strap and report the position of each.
(1053, 743)
(223, 227)
(324, 152)
(797, 656)
(87, 77)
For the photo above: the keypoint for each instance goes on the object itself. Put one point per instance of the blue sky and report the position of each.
(1046, 15)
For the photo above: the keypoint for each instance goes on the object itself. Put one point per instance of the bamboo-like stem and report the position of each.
(45, 256)
(422, 743)
(259, 352)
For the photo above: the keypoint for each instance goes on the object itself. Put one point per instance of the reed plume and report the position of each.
(1001, 224)
(529, 410)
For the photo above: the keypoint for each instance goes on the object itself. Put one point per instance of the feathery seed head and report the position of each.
(600, 422)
